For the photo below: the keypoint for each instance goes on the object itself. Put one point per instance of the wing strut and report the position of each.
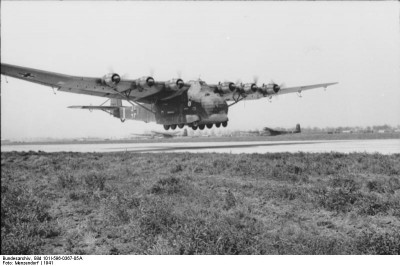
(238, 99)
(105, 102)
(133, 102)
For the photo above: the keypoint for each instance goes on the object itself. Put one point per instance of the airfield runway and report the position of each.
(383, 146)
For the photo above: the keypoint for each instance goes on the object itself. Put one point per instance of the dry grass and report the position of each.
(126, 203)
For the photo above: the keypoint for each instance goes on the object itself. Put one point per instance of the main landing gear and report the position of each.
(196, 126)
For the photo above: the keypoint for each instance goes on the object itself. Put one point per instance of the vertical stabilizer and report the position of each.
(298, 129)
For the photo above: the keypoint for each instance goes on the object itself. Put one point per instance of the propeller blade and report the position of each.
(110, 69)
(151, 71)
(255, 79)
(125, 75)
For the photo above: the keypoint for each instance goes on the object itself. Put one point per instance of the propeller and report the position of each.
(179, 74)
(110, 69)
(180, 83)
(276, 88)
(255, 79)
(151, 71)
(116, 78)
(111, 78)
(150, 81)
(239, 86)
(255, 87)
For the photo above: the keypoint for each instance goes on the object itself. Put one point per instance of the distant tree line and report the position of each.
(386, 128)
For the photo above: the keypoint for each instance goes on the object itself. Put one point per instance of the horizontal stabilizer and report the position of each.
(91, 107)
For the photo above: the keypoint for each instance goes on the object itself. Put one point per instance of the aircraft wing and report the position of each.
(299, 89)
(235, 96)
(80, 85)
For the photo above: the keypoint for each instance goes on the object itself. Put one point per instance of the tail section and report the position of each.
(117, 110)
(298, 129)
(136, 112)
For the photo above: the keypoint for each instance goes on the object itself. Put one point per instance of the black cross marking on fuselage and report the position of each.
(26, 75)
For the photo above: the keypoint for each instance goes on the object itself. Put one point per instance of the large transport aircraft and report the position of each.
(172, 103)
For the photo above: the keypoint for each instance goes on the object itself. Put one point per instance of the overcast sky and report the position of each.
(298, 43)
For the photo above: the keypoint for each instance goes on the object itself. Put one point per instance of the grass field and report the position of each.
(124, 203)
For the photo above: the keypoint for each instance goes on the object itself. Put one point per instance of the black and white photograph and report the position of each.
(199, 128)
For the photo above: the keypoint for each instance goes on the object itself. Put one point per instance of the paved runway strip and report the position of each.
(384, 146)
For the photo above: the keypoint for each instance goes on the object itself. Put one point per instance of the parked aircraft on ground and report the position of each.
(161, 134)
(172, 103)
(274, 132)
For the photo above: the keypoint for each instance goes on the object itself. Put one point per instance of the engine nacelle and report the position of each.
(175, 84)
(250, 87)
(146, 82)
(271, 88)
(111, 79)
(226, 87)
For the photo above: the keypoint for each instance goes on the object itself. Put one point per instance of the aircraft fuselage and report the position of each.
(196, 107)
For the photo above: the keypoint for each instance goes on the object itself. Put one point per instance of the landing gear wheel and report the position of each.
(218, 124)
(201, 127)
(194, 127)
(225, 124)
(173, 127)
(209, 125)
(166, 127)
(122, 120)
(181, 125)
